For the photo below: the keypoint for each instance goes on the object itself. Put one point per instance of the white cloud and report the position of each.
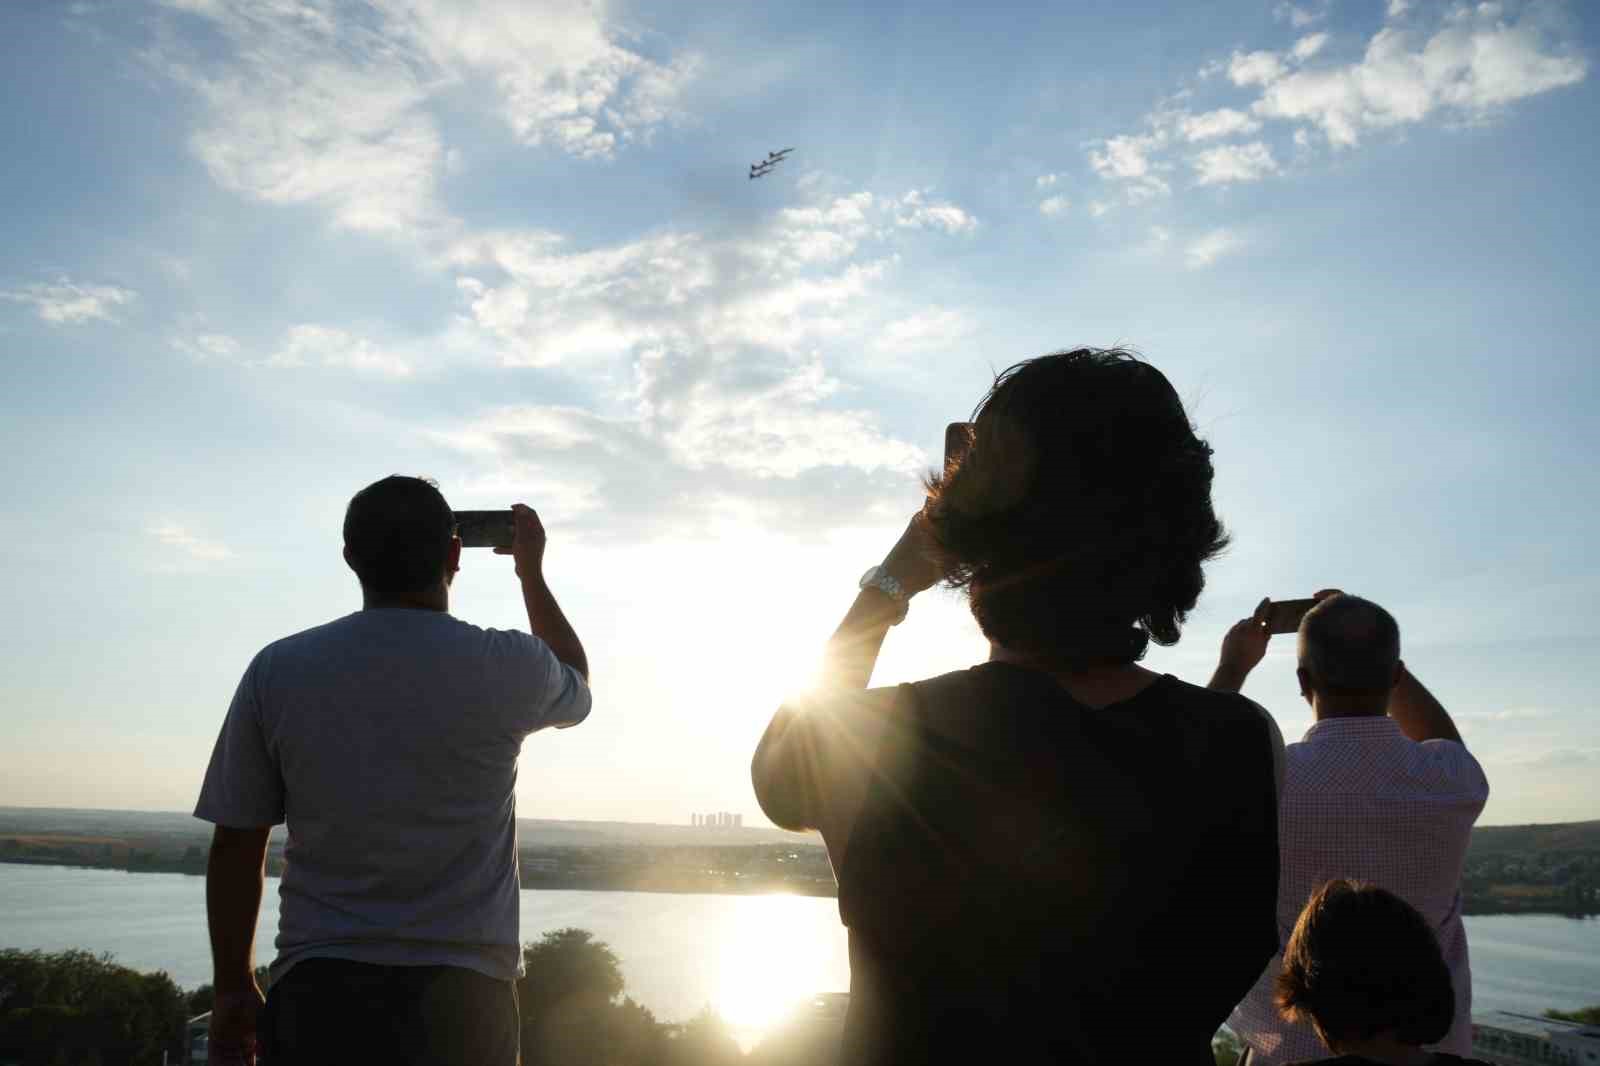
(714, 349)
(1308, 46)
(1128, 159)
(1298, 15)
(1229, 163)
(1223, 122)
(1045, 181)
(1127, 156)
(308, 344)
(190, 547)
(1397, 8)
(1098, 207)
(918, 212)
(1255, 68)
(1054, 206)
(208, 346)
(930, 328)
(562, 75)
(1509, 714)
(66, 302)
(1474, 64)
(1476, 61)
(320, 103)
(1212, 246)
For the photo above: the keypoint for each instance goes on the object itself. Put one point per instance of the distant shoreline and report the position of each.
(657, 884)
(709, 886)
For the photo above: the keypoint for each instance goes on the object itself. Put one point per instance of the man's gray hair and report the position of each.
(1351, 643)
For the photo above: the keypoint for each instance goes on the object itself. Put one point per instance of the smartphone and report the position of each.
(1283, 616)
(485, 529)
(957, 439)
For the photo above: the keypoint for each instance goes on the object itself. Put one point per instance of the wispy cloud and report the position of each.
(1211, 247)
(1053, 206)
(1223, 122)
(309, 344)
(718, 344)
(317, 103)
(64, 302)
(1299, 15)
(916, 211)
(932, 327)
(1229, 163)
(188, 547)
(1508, 714)
(1475, 61)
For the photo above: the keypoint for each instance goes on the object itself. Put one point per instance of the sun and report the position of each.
(770, 960)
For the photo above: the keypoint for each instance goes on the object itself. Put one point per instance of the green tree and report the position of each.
(1583, 1015)
(74, 1007)
(573, 1010)
(704, 1040)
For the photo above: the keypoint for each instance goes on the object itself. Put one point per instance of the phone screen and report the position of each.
(1284, 615)
(485, 529)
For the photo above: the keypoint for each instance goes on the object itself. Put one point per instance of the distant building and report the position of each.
(738, 821)
(1508, 1039)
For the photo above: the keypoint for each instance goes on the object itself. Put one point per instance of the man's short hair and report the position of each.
(1347, 642)
(1361, 961)
(397, 533)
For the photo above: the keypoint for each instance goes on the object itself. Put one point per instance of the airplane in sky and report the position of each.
(765, 166)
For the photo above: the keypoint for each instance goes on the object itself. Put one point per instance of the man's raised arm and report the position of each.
(1417, 713)
(545, 617)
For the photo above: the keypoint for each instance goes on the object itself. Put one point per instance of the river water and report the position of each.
(749, 957)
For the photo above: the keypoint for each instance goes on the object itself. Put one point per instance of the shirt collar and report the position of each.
(1370, 726)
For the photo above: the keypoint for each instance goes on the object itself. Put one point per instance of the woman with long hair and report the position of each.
(1056, 855)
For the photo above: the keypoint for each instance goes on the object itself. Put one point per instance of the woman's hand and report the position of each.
(1242, 648)
(913, 560)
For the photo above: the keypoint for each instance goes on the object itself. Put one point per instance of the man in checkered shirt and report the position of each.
(1380, 789)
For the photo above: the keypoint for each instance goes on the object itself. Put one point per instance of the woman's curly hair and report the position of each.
(1080, 514)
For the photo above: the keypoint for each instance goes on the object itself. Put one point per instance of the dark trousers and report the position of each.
(337, 1012)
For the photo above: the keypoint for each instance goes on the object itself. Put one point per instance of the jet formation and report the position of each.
(765, 167)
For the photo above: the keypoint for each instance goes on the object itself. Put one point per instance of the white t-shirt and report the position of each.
(388, 740)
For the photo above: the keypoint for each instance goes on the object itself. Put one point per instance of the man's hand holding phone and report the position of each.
(528, 541)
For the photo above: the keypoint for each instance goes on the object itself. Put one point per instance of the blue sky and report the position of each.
(261, 254)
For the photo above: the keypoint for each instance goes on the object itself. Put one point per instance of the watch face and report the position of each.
(868, 577)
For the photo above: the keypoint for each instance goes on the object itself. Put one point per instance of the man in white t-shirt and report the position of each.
(388, 741)
(1380, 789)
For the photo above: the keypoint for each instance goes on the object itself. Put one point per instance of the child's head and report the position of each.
(1362, 963)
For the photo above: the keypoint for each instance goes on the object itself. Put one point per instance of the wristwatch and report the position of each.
(878, 577)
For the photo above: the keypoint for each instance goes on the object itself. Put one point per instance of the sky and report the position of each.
(260, 254)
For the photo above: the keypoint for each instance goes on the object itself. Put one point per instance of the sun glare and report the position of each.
(770, 960)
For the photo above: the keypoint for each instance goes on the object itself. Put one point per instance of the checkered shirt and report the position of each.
(1362, 800)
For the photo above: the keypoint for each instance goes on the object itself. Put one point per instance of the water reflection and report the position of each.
(770, 961)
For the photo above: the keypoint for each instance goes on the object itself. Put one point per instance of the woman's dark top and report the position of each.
(1440, 1058)
(1031, 880)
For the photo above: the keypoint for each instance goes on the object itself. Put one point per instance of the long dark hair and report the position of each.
(1080, 515)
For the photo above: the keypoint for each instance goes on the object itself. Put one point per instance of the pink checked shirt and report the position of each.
(1362, 800)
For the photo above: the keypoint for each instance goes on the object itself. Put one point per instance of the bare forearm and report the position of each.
(852, 651)
(1227, 678)
(235, 874)
(547, 622)
(1418, 714)
(788, 766)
